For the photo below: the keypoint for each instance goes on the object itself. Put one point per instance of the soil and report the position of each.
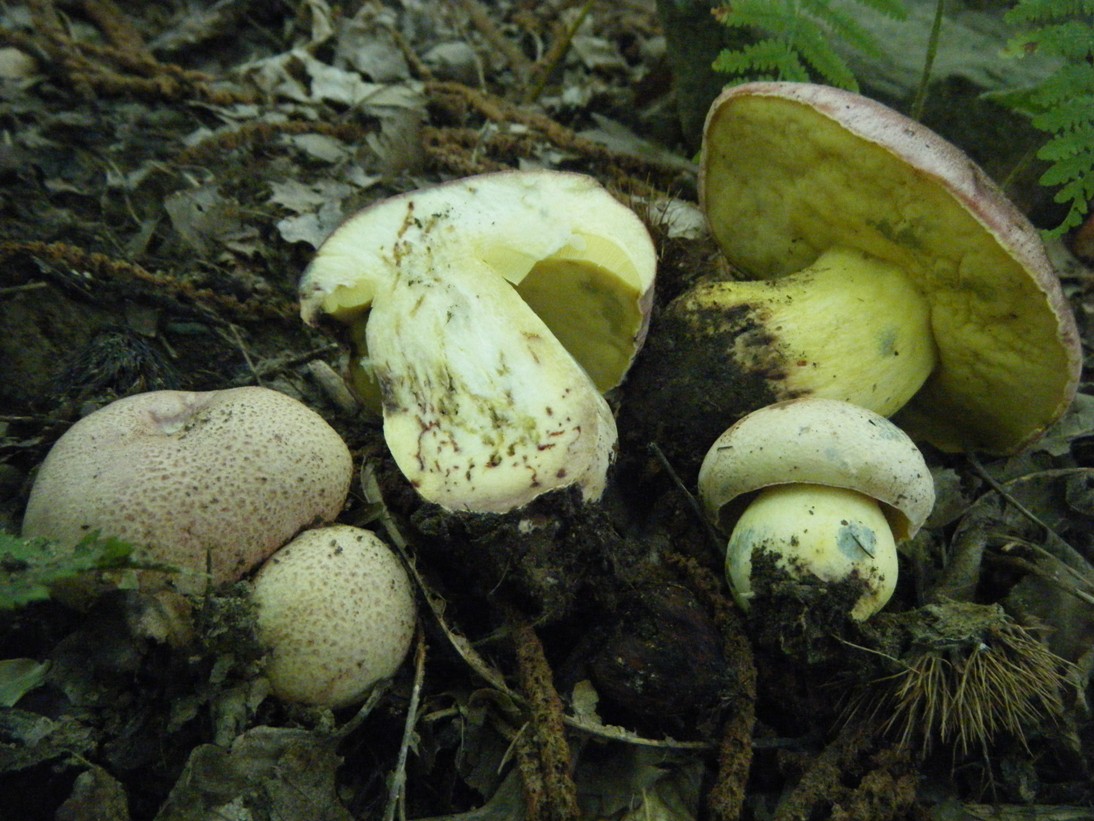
(168, 171)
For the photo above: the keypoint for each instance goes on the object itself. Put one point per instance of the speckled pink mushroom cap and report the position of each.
(790, 170)
(230, 474)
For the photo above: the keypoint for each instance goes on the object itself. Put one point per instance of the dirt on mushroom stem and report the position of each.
(550, 557)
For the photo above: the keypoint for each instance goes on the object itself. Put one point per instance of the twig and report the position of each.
(1049, 576)
(374, 697)
(482, 21)
(1074, 558)
(396, 795)
(928, 62)
(726, 798)
(555, 54)
(551, 793)
(718, 543)
(237, 338)
(472, 658)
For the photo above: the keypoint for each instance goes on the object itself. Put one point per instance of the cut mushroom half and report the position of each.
(487, 316)
(826, 193)
(825, 488)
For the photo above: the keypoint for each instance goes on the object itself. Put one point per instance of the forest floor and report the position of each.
(167, 171)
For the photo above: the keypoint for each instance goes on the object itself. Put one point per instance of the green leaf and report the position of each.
(18, 677)
(818, 53)
(770, 56)
(1037, 11)
(1069, 144)
(29, 567)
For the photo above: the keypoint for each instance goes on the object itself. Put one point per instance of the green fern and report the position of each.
(794, 39)
(1062, 104)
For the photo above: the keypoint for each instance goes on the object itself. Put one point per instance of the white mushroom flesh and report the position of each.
(483, 409)
(487, 315)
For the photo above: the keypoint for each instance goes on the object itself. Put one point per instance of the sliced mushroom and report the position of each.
(487, 316)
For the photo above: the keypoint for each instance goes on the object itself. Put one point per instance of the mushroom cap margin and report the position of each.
(818, 441)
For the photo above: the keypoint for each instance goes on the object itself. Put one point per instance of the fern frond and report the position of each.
(1070, 40)
(772, 57)
(816, 50)
(1065, 115)
(1078, 141)
(807, 30)
(1067, 82)
(776, 16)
(844, 27)
(893, 9)
(1062, 105)
(1034, 12)
(1069, 168)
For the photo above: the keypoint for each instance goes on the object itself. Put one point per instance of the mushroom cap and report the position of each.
(230, 475)
(491, 311)
(820, 442)
(789, 170)
(336, 609)
(579, 258)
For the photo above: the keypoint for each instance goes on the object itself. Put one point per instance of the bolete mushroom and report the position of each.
(895, 275)
(823, 487)
(336, 610)
(224, 477)
(486, 317)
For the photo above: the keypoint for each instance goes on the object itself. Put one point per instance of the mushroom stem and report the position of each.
(833, 534)
(849, 327)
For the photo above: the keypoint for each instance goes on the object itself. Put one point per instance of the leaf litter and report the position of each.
(167, 173)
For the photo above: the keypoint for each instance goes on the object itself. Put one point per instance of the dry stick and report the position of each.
(625, 167)
(237, 338)
(1046, 576)
(117, 28)
(396, 796)
(1029, 514)
(481, 20)
(253, 135)
(466, 651)
(718, 543)
(555, 54)
(88, 67)
(822, 781)
(726, 798)
(959, 579)
(546, 730)
(104, 268)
